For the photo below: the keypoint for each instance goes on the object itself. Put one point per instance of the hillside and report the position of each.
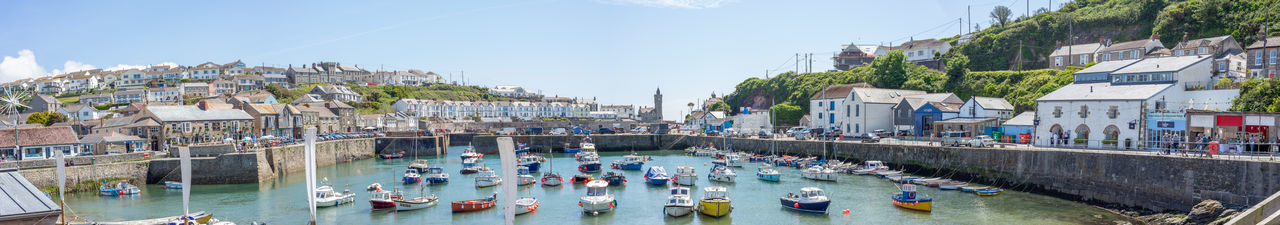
(378, 99)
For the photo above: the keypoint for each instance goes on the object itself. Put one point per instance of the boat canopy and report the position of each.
(679, 191)
(656, 170)
(808, 192)
(714, 192)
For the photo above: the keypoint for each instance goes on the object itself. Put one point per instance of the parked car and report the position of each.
(868, 138)
(640, 130)
(902, 133)
(713, 133)
(803, 134)
(557, 131)
(833, 134)
(791, 132)
(882, 133)
(764, 134)
(982, 141)
(606, 130)
(506, 131)
(954, 138)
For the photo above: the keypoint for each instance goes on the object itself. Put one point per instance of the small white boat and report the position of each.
(598, 198)
(729, 160)
(819, 173)
(487, 178)
(420, 165)
(526, 205)
(326, 196)
(722, 174)
(679, 203)
(173, 185)
(870, 168)
(767, 173)
(405, 204)
(552, 179)
(524, 177)
(686, 176)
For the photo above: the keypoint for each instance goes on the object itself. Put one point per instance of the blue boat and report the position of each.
(522, 149)
(767, 173)
(629, 162)
(436, 175)
(411, 176)
(123, 188)
(572, 150)
(811, 199)
(590, 165)
(656, 175)
(532, 162)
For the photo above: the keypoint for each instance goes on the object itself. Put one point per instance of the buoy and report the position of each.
(846, 211)
(797, 205)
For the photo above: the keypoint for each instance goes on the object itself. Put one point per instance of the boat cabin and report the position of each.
(522, 170)
(680, 191)
(811, 192)
(874, 164)
(684, 170)
(410, 171)
(597, 188)
(435, 170)
(716, 192)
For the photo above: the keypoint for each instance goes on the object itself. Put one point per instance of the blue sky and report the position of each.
(619, 51)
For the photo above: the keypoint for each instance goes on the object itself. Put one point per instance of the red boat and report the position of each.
(392, 155)
(382, 200)
(475, 204)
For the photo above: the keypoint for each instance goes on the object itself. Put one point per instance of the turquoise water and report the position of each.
(283, 200)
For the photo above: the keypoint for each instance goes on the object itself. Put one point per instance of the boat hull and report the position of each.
(172, 185)
(486, 183)
(714, 208)
(533, 166)
(589, 168)
(987, 192)
(925, 205)
(330, 202)
(721, 178)
(677, 210)
(437, 180)
(414, 205)
(527, 180)
(596, 206)
(628, 166)
(551, 181)
(526, 208)
(382, 204)
(572, 150)
(686, 180)
(411, 180)
(472, 205)
(821, 176)
(769, 177)
(815, 207)
(658, 181)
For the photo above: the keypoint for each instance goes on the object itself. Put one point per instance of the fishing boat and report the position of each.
(470, 153)
(715, 202)
(767, 173)
(614, 179)
(474, 204)
(597, 199)
(722, 174)
(522, 148)
(685, 176)
(972, 188)
(590, 165)
(411, 176)
(526, 205)
(403, 203)
(326, 196)
(656, 175)
(551, 179)
(581, 178)
(395, 155)
(173, 185)
(728, 160)
(629, 162)
(121, 189)
(471, 165)
(909, 200)
(819, 173)
(887, 173)
(679, 203)
(988, 192)
(381, 199)
(811, 199)
(421, 165)
(532, 162)
(524, 177)
(436, 175)
(586, 155)
(487, 178)
(870, 168)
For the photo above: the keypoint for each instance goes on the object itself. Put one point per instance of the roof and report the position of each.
(195, 84)
(1022, 119)
(76, 107)
(22, 200)
(1273, 41)
(918, 44)
(946, 107)
(993, 103)
(112, 137)
(1162, 64)
(889, 96)
(338, 104)
(1209, 41)
(837, 91)
(717, 114)
(1104, 91)
(967, 120)
(59, 135)
(1076, 49)
(1107, 67)
(1129, 45)
(194, 113)
(318, 108)
(46, 98)
(915, 101)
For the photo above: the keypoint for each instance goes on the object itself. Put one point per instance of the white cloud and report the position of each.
(23, 66)
(73, 66)
(687, 4)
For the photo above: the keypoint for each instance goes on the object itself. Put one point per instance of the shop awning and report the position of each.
(1230, 121)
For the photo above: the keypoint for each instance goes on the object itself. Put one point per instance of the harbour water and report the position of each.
(283, 200)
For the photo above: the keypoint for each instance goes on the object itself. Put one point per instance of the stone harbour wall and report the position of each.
(234, 168)
(134, 172)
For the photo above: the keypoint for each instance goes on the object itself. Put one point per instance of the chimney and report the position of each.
(1102, 41)
(1059, 45)
(1184, 37)
(1155, 35)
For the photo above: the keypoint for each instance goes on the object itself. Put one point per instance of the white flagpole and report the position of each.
(185, 154)
(507, 150)
(62, 181)
(310, 156)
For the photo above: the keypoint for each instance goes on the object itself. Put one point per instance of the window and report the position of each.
(857, 110)
(831, 105)
(831, 118)
(1084, 111)
(846, 110)
(1222, 66)
(1133, 54)
(1257, 58)
(1107, 56)
(1177, 53)
(911, 54)
(1113, 112)
(1203, 50)
(1273, 57)
(1057, 112)
(1084, 59)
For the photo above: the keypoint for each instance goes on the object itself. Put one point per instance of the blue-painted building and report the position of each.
(1016, 127)
(923, 118)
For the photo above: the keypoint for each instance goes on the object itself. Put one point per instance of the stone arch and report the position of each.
(1111, 132)
(1082, 131)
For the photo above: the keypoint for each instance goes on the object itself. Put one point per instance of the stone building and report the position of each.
(653, 115)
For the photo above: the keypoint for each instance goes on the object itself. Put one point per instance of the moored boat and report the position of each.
(679, 203)
(715, 202)
(436, 175)
(722, 174)
(421, 165)
(988, 191)
(819, 173)
(581, 178)
(551, 179)
(526, 205)
(524, 177)
(403, 203)
(972, 188)
(381, 199)
(121, 189)
(590, 165)
(767, 173)
(534, 163)
(728, 160)
(326, 196)
(810, 199)
(487, 178)
(629, 162)
(870, 168)
(685, 175)
(394, 155)
(909, 200)
(471, 165)
(656, 175)
(474, 204)
(411, 176)
(173, 185)
(598, 199)
(614, 179)
(470, 153)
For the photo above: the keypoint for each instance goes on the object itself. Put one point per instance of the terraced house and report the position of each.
(278, 120)
(191, 124)
(1264, 58)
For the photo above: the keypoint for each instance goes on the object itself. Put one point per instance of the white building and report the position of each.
(622, 111)
(987, 107)
(1107, 102)
(165, 94)
(512, 91)
(81, 112)
(923, 49)
(856, 108)
(132, 79)
(204, 71)
(458, 110)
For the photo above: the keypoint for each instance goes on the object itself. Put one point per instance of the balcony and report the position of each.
(1209, 86)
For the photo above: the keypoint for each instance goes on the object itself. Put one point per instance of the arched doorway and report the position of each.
(1081, 135)
(1111, 134)
(1056, 136)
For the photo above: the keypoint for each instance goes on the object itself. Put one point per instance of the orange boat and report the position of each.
(475, 204)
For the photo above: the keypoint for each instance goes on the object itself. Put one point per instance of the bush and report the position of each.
(1080, 140)
(1109, 141)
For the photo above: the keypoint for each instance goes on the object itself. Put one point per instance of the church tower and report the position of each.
(657, 105)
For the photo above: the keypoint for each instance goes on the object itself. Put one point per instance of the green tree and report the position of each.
(957, 68)
(721, 106)
(1000, 15)
(1258, 95)
(889, 71)
(785, 114)
(46, 118)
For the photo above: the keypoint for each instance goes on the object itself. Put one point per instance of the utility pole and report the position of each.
(797, 71)
(969, 16)
(1028, 9)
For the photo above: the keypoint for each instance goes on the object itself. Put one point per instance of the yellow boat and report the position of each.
(715, 202)
(909, 200)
